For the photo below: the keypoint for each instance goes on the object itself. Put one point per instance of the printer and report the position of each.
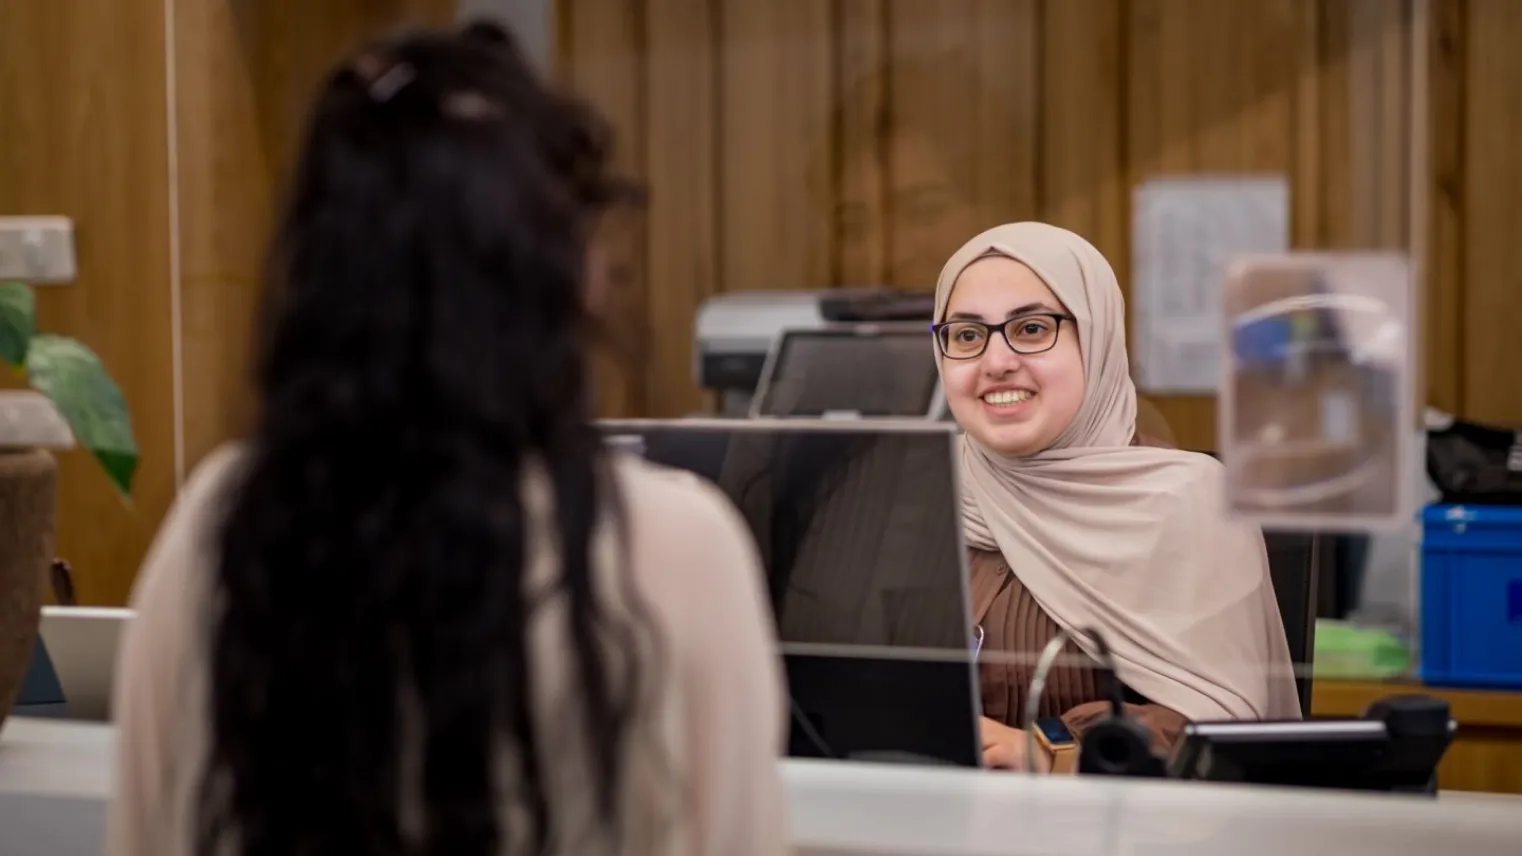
(735, 332)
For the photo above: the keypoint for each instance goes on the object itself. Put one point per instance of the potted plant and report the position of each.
(74, 401)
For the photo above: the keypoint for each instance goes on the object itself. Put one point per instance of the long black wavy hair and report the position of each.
(423, 347)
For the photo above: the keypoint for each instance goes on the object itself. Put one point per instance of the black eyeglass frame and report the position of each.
(988, 329)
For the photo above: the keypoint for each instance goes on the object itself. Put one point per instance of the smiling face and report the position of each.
(1014, 404)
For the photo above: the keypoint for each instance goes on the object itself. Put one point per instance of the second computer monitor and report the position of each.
(872, 371)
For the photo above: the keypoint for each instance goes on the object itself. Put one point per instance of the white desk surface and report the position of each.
(50, 757)
(849, 808)
(55, 779)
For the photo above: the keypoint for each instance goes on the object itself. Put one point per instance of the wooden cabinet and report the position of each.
(1487, 753)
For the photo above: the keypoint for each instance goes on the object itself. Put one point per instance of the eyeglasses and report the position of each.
(1027, 334)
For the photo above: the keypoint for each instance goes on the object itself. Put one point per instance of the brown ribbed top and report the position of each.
(1013, 621)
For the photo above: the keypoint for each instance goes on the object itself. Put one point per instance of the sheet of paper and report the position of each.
(1186, 229)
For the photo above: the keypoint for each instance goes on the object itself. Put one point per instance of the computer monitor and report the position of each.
(859, 529)
(871, 370)
(1395, 747)
(82, 642)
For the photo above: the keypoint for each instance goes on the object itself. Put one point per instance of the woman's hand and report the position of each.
(1004, 748)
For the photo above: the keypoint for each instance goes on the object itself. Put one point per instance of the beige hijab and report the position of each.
(1127, 539)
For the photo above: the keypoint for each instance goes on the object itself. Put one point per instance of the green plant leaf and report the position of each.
(18, 321)
(72, 377)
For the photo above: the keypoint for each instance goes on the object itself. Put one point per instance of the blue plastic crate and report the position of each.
(1472, 596)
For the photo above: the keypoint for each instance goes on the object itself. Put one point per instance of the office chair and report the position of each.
(1296, 562)
(1340, 589)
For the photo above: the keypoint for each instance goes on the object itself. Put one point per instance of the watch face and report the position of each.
(1054, 731)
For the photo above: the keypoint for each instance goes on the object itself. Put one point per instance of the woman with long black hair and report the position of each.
(422, 610)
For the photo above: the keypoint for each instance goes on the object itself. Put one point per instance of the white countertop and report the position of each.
(50, 757)
(55, 780)
(850, 808)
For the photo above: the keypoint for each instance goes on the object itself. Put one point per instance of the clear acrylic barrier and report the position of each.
(1315, 404)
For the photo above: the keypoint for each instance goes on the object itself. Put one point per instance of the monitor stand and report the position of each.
(41, 693)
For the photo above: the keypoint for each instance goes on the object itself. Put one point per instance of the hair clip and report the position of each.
(391, 81)
(470, 106)
(382, 77)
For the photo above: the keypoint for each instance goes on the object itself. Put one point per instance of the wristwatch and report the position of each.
(1057, 742)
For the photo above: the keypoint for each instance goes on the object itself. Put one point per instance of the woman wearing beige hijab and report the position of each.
(1074, 523)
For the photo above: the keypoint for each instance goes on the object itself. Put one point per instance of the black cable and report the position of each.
(809, 731)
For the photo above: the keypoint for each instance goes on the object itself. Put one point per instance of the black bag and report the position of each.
(1472, 464)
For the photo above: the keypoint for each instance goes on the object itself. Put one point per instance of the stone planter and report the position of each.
(28, 505)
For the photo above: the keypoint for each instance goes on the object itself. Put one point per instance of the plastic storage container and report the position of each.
(1472, 596)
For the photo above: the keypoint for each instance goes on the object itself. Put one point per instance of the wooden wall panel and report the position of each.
(947, 117)
(1213, 90)
(1444, 169)
(1080, 172)
(246, 71)
(682, 163)
(953, 166)
(1492, 312)
(82, 109)
(1005, 42)
(813, 143)
(225, 191)
(170, 229)
(1379, 67)
(953, 116)
(773, 209)
(603, 59)
(858, 186)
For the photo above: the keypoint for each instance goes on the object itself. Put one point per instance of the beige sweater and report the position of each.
(719, 725)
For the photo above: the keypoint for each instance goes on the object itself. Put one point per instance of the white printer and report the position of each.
(735, 332)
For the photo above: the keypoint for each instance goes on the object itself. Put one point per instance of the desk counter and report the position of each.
(55, 780)
(1486, 755)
